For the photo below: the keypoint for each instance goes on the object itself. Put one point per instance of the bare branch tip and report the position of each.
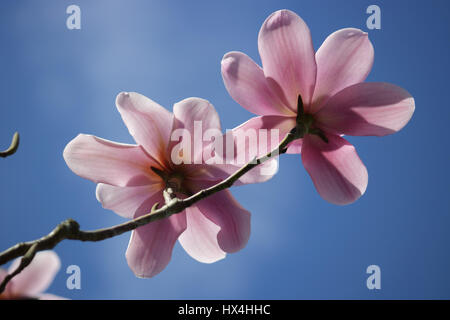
(13, 146)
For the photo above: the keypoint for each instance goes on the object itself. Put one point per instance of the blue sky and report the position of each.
(56, 83)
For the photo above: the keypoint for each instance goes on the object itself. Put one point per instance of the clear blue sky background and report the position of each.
(56, 83)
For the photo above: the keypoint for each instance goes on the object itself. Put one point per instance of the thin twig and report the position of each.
(70, 229)
(13, 147)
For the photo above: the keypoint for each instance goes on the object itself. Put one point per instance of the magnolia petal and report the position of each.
(199, 239)
(37, 277)
(338, 174)
(125, 201)
(190, 110)
(49, 296)
(295, 147)
(148, 122)
(104, 161)
(234, 221)
(287, 56)
(247, 85)
(150, 247)
(367, 109)
(196, 116)
(259, 135)
(345, 58)
(255, 138)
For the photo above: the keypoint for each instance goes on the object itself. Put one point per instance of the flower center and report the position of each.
(175, 181)
(172, 180)
(306, 123)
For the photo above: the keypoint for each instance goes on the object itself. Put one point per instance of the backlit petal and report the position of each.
(247, 85)
(150, 247)
(338, 173)
(288, 57)
(345, 58)
(125, 201)
(37, 277)
(367, 109)
(104, 161)
(234, 221)
(148, 122)
(200, 237)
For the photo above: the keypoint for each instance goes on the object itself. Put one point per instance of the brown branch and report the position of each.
(70, 229)
(13, 147)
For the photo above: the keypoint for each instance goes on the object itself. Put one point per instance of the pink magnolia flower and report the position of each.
(131, 178)
(335, 99)
(34, 279)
